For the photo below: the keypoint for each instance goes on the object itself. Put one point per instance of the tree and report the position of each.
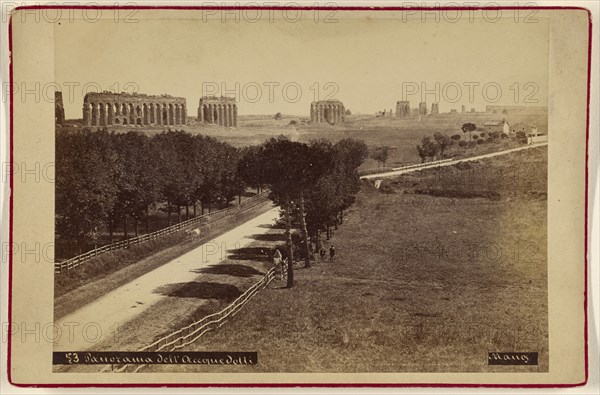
(348, 112)
(381, 154)
(285, 172)
(442, 140)
(428, 148)
(468, 128)
(86, 165)
(138, 183)
(278, 116)
(336, 190)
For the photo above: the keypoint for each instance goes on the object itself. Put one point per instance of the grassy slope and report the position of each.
(420, 283)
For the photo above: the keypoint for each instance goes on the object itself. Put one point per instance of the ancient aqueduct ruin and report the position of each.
(107, 109)
(220, 111)
(330, 111)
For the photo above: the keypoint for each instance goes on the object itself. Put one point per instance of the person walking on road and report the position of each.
(278, 262)
(331, 253)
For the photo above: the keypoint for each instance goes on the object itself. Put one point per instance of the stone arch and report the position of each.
(151, 109)
(131, 112)
(165, 114)
(176, 110)
(171, 114)
(110, 119)
(146, 113)
(158, 113)
(95, 114)
(206, 109)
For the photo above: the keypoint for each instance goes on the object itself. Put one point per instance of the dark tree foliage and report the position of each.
(468, 128)
(312, 183)
(428, 148)
(442, 140)
(105, 180)
(381, 154)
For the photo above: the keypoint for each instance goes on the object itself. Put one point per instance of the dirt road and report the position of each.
(98, 320)
(399, 171)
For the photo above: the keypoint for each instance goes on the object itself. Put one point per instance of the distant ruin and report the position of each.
(135, 109)
(403, 109)
(59, 109)
(222, 111)
(423, 108)
(435, 108)
(330, 111)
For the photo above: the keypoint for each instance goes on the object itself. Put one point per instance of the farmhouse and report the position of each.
(496, 126)
(523, 127)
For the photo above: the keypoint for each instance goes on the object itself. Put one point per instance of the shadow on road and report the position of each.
(250, 254)
(230, 270)
(268, 237)
(200, 290)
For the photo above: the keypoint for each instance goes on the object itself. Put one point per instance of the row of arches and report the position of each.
(219, 114)
(138, 114)
(330, 113)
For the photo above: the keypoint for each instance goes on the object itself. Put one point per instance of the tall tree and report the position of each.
(468, 128)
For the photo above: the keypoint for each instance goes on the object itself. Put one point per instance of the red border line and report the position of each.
(289, 385)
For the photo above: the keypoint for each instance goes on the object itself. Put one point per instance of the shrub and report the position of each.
(293, 122)
(455, 137)
(475, 137)
(472, 144)
(504, 135)
(481, 134)
(462, 143)
(490, 139)
(480, 141)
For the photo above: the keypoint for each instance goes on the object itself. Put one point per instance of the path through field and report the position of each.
(399, 171)
(99, 320)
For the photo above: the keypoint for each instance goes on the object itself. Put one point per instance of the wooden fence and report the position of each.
(189, 334)
(69, 264)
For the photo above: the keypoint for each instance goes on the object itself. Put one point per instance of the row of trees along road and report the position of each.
(104, 179)
(320, 179)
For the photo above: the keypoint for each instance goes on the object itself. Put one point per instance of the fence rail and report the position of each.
(190, 333)
(72, 263)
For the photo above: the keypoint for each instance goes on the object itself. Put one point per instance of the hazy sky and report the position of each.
(366, 60)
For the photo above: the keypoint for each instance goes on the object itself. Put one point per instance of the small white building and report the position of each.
(496, 126)
(523, 127)
(534, 138)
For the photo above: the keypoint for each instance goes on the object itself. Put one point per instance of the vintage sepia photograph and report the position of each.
(302, 191)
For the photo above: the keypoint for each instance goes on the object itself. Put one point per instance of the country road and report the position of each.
(399, 171)
(96, 321)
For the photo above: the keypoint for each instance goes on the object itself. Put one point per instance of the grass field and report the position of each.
(433, 271)
(401, 135)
